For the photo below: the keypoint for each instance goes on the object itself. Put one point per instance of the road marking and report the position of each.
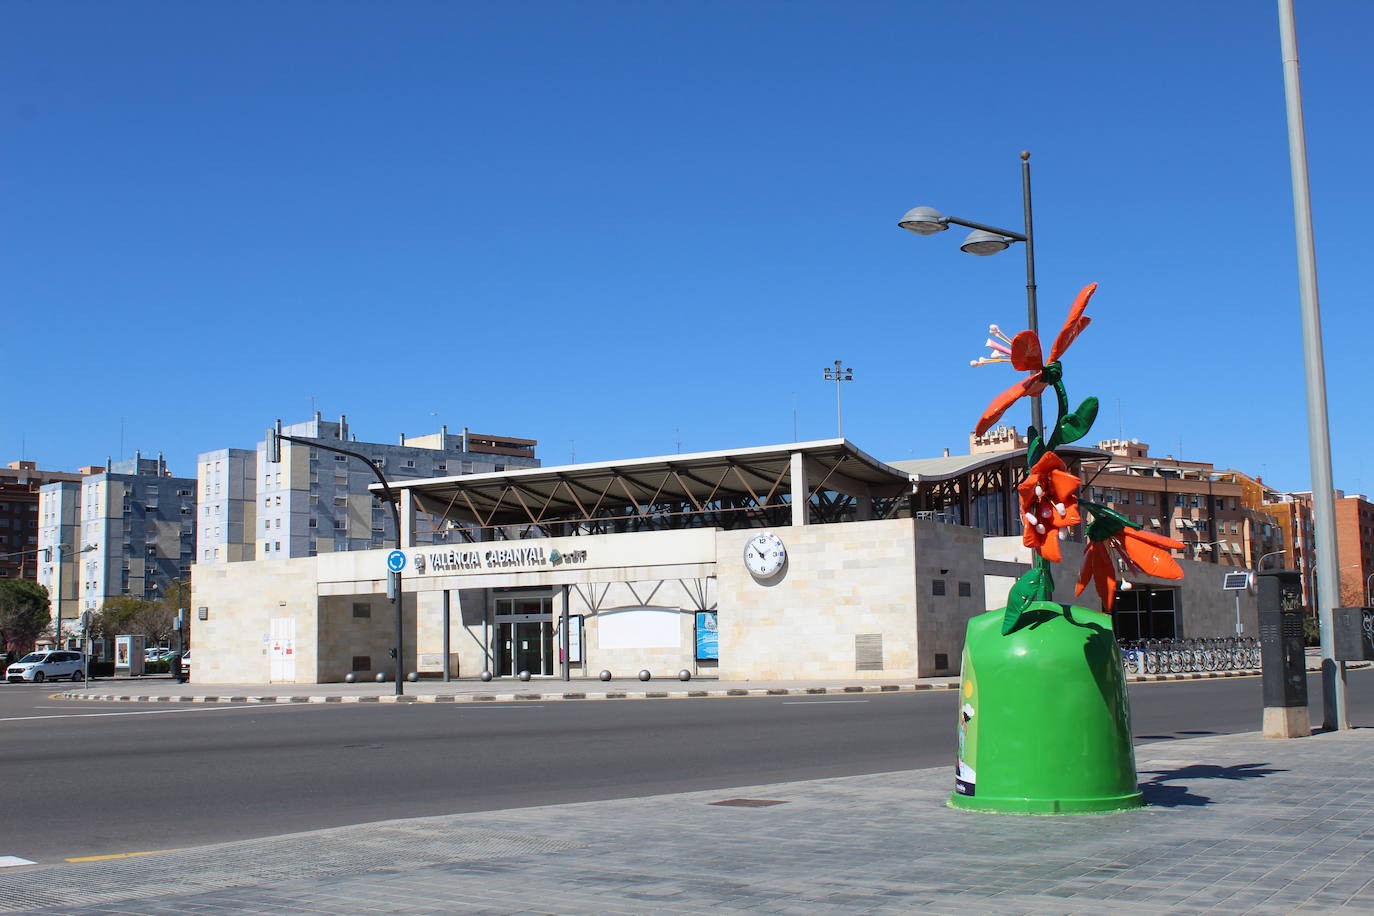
(151, 712)
(466, 706)
(818, 702)
(117, 855)
(11, 861)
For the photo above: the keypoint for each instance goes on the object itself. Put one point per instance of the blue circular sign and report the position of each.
(396, 561)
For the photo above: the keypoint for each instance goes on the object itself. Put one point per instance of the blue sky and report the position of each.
(625, 228)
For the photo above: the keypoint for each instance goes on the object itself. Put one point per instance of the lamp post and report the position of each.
(838, 373)
(986, 240)
(274, 439)
(1368, 595)
(1275, 553)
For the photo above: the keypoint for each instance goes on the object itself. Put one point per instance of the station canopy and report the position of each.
(729, 489)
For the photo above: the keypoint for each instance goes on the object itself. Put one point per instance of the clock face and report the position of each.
(764, 555)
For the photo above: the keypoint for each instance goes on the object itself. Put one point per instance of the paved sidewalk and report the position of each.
(1237, 824)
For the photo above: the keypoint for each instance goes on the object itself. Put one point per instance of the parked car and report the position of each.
(155, 653)
(47, 665)
(186, 664)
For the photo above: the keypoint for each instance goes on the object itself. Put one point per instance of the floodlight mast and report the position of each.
(275, 437)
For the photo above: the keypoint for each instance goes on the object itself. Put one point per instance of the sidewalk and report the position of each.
(1237, 824)
(470, 690)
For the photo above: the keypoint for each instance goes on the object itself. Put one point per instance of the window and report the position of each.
(266, 501)
(410, 462)
(937, 586)
(338, 525)
(276, 546)
(441, 466)
(1178, 500)
(362, 609)
(965, 590)
(340, 457)
(266, 523)
(313, 523)
(1139, 498)
(341, 500)
(277, 524)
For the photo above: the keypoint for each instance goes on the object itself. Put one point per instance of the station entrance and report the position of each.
(523, 627)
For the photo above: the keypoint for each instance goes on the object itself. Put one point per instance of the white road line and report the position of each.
(818, 702)
(466, 706)
(11, 861)
(150, 712)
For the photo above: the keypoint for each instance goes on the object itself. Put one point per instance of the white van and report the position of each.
(46, 665)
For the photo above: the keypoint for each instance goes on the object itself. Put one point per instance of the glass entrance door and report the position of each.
(526, 645)
(524, 633)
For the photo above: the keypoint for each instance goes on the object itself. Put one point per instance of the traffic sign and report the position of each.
(396, 561)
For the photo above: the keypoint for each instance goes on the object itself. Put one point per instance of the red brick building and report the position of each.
(19, 483)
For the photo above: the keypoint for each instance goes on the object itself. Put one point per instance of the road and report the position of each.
(92, 779)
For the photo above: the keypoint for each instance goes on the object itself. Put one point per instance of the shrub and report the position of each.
(1311, 631)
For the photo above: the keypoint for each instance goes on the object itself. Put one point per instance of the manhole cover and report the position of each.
(748, 802)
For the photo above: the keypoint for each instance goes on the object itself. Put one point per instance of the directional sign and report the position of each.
(396, 561)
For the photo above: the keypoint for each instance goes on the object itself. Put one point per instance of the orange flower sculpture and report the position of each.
(1050, 504)
(1140, 551)
(1023, 352)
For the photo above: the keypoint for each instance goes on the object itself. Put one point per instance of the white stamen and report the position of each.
(975, 363)
(1039, 492)
(1062, 533)
(1030, 519)
(1059, 507)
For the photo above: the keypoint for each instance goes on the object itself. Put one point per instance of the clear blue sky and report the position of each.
(624, 225)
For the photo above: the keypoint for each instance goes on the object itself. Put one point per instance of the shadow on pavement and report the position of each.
(1157, 790)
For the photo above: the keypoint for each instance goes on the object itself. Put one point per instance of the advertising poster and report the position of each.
(708, 647)
(122, 650)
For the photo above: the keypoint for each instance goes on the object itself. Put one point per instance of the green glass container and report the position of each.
(1044, 721)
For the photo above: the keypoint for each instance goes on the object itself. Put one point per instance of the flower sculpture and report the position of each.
(1050, 504)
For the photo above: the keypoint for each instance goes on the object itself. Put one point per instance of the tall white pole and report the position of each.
(1334, 713)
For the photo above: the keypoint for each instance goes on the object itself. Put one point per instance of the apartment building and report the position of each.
(20, 483)
(1355, 546)
(137, 528)
(315, 502)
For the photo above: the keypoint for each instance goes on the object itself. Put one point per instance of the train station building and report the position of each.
(808, 560)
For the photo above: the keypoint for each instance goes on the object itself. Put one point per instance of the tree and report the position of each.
(126, 614)
(138, 616)
(25, 612)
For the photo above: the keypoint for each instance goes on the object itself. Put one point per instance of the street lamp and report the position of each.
(1368, 595)
(838, 373)
(987, 240)
(1260, 564)
(275, 437)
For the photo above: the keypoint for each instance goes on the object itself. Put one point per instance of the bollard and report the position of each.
(413, 676)
(381, 677)
(486, 675)
(644, 674)
(605, 675)
(350, 677)
(524, 675)
(684, 675)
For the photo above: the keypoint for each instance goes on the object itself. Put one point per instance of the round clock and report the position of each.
(764, 554)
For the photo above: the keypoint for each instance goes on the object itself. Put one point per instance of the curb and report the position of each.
(613, 695)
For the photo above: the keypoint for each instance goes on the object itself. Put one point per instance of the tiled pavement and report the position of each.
(1237, 824)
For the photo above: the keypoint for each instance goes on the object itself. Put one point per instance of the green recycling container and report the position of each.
(1044, 721)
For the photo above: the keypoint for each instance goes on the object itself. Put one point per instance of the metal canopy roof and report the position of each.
(760, 475)
(951, 466)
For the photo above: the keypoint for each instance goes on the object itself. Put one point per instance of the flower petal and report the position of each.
(1050, 549)
(1075, 323)
(1004, 400)
(1025, 352)
(1152, 559)
(1063, 484)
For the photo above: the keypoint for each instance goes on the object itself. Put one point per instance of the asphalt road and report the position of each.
(94, 779)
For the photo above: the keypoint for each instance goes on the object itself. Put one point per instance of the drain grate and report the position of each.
(748, 802)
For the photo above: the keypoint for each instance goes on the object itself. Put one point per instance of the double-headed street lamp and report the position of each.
(985, 240)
